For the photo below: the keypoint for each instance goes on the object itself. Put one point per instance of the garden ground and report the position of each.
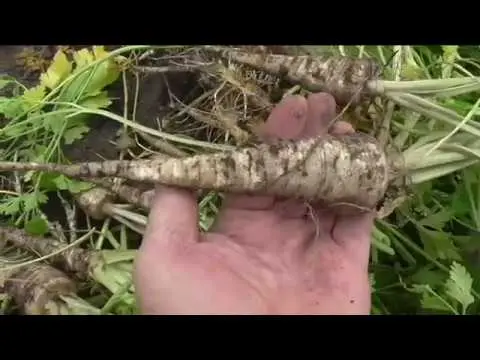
(425, 255)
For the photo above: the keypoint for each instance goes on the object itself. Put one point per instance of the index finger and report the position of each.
(293, 118)
(286, 121)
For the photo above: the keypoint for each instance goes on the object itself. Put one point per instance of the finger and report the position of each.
(173, 218)
(286, 121)
(321, 111)
(293, 118)
(353, 233)
(247, 202)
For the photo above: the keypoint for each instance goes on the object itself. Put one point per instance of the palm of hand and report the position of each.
(264, 255)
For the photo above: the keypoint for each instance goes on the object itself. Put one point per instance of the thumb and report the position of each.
(173, 218)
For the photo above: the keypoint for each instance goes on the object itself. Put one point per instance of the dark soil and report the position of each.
(100, 142)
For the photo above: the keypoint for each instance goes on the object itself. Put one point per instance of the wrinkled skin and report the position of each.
(263, 255)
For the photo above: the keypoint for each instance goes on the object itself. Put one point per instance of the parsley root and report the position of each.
(344, 77)
(37, 288)
(111, 268)
(350, 169)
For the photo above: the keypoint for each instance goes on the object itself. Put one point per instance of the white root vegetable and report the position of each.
(349, 169)
(111, 268)
(40, 289)
(346, 78)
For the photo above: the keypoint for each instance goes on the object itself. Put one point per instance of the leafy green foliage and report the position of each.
(58, 120)
(64, 183)
(43, 118)
(57, 72)
(37, 226)
(75, 133)
(436, 233)
(425, 257)
(22, 203)
(450, 296)
(459, 286)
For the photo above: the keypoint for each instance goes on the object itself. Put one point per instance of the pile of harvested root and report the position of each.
(211, 144)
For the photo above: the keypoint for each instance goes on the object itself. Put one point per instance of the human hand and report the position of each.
(263, 255)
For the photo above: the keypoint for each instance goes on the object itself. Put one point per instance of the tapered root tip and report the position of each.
(33, 287)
